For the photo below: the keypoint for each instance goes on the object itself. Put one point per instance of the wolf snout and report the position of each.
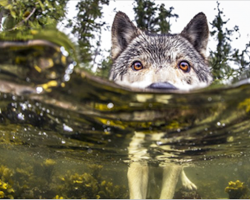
(162, 85)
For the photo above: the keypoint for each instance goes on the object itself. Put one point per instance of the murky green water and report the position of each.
(67, 134)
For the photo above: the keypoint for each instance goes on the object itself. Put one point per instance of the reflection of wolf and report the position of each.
(169, 61)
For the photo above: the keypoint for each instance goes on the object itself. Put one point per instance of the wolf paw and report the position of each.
(187, 184)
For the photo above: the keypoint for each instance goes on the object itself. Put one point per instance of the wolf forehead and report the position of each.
(156, 50)
(160, 48)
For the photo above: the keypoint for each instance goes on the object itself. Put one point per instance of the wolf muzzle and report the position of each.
(162, 85)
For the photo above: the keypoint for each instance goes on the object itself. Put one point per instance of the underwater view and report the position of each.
(67, 134)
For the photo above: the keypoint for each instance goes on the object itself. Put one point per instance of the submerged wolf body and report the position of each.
(168, 61)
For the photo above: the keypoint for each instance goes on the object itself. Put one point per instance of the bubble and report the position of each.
(67, 128)
(64, 52)
(110, 105)
(69, 69)
(20, 116)
(23, 105)
(66, 77)
(39, 90)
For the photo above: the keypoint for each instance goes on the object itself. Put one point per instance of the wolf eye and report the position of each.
(137, 65)
(184, 66)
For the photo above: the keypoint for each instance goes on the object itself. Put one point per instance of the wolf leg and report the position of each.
(171, 175)
(186, 182)
(138, 180)
(138, 169)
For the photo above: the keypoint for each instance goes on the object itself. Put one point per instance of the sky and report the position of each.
(236, 11)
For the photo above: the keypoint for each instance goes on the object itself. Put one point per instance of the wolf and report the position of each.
(163, 62)
(167, 61)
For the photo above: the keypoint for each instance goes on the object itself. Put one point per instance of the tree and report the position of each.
(87, 29)
(223, 58)
(151, 17)
(164, 19)
(145, 11)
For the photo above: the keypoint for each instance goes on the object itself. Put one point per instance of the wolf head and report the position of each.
(168, 61)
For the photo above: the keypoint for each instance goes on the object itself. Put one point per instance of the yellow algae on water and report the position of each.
(37, 68)
(49, 162)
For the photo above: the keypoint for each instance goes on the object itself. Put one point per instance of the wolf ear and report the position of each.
(123, 31)
(197, 33)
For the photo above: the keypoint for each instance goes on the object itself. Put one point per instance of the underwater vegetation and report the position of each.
(26, 175)
(90, 186)
(24, 182)
(33, 177)
(237, 190)
(6, 183)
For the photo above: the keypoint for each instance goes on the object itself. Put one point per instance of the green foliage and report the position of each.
(151, 17)
(86, 27)
(222, 59)
(145, 12)
(164, 19)
(31, 14)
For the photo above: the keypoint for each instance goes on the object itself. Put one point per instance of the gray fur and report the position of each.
(160, 55)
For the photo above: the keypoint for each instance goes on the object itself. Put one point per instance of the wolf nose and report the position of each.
(162, 85)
